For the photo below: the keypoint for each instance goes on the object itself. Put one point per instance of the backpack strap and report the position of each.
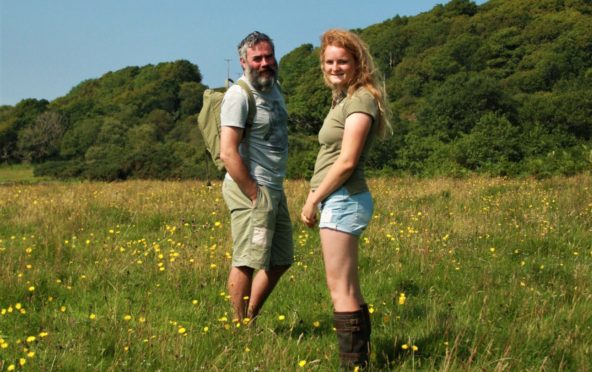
(251, 99)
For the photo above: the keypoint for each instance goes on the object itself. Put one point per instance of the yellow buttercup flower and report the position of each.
(402, 299)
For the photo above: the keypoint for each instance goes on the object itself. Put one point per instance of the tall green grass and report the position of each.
(476, 274)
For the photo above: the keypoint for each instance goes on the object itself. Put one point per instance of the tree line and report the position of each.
(504, 89)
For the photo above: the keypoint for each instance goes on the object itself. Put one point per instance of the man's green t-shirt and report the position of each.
(331, 136)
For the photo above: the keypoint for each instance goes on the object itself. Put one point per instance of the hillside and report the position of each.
(504, 88)
(136, 122)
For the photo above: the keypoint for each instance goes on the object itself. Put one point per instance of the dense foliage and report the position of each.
(135, 122)
(504, 88)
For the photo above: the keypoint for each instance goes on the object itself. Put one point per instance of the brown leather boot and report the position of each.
(366, 314)
(352, 339)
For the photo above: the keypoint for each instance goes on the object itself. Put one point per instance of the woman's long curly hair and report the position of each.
(365, 74)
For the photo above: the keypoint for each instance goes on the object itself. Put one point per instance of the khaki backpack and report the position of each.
(208, 121)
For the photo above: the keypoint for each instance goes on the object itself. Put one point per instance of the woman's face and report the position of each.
(338, 66)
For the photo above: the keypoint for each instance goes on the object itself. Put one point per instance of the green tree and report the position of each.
(456, 106)
(417, 151)
(79, 137)
(12, 121)
(491, 145)
(112, 131)
(387, 43)
(191, 98)
(106, 162)
(41, 140)
(458, 8)
(307, 97)
(452, 74)
(162, 122)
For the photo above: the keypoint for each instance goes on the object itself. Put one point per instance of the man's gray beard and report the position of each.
(259, 82)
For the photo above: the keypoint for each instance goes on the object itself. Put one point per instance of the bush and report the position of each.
(104, 170)
(567, 162)
(414, 155)
(59, 169)
(492, 146)
(302, 156)
(105, 162)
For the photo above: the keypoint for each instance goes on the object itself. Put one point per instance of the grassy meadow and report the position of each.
(10, 174)
(474, 274)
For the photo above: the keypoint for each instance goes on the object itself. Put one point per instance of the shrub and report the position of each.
(59, 169)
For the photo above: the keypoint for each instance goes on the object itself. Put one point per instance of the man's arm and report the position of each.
(230, 139)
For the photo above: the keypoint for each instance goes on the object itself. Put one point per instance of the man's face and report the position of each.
(260, 66)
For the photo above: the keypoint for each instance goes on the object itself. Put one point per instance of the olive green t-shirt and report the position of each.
(331, 136)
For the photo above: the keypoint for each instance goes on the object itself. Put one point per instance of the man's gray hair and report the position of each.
(251, 40)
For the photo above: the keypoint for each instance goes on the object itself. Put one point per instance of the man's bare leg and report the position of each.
(239, 287)
(263, 283)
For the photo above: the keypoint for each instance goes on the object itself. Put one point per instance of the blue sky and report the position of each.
(48, 47)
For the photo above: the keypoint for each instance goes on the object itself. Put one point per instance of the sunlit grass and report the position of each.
(459, 274)
(17, 174)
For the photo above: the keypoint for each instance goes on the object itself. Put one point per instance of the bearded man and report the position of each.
(255, 157)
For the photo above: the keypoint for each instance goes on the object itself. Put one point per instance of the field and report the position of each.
(17, 173)
(474, 274)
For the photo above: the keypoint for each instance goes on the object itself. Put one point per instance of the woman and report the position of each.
(338, 187)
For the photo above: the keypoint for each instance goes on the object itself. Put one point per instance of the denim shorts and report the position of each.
(346, 213)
